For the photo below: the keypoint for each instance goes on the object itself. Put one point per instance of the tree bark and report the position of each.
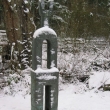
(19, 27)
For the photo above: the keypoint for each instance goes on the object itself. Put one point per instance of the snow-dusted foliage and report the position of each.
(77, 62)
(16, 83)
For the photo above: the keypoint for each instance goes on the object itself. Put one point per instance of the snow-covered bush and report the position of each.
(102, 60)
(17, 83)
(76, 64)
(72, 67)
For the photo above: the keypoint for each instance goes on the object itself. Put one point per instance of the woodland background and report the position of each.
(75, 19)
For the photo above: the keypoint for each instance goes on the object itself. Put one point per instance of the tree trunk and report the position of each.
(19, 27)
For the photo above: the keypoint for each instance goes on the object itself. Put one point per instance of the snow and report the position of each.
(3, 34)
(44, 30)
(26, 10)
(91, 14)
(40, 70)
(52, 63)
(98, 79)
(25, 1)
(68, 100)
(47, 77)
(14, 102)
(9, 0)
(86, 101)
(48, 0)
(38, 58)
(52, 51)
(71, 96)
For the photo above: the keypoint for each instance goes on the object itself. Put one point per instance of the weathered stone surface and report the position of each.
(44, 83)
(47, 80)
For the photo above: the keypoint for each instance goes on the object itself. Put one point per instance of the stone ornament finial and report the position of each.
(45, 11)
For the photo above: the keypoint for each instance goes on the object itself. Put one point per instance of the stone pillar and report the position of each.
(44, 83)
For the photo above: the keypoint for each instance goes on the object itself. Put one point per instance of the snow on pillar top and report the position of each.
(44, 30)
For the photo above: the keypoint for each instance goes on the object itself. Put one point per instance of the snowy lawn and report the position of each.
(89, 100)
(71, 97)
(68, 100)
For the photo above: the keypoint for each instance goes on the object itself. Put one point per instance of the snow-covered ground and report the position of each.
(74, 96)
(68, 100)
(71, 96)
(89, 100)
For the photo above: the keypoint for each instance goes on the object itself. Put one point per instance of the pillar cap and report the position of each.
(44, 30)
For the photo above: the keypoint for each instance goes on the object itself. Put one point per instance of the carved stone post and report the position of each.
(44, 82)
(45, 11)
